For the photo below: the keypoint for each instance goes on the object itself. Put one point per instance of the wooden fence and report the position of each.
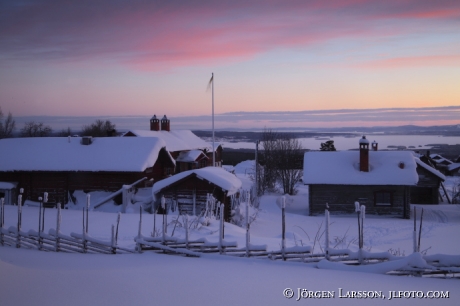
(81, 242)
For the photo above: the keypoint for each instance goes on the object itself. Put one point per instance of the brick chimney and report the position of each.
(375, 146)
(154, 123)
(165, 124)
(364, 154)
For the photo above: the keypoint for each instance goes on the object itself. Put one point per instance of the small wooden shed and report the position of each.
(189, 189)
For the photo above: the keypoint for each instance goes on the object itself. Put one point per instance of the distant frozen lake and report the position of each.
(415, 142)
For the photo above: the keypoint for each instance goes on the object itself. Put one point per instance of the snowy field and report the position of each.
(30, 277)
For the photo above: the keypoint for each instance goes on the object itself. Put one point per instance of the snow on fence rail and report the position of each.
(82, 242)
(54, 240)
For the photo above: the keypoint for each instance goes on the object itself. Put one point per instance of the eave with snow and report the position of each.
(59, 165)
(189, 189)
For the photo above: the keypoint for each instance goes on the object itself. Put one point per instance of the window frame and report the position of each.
(386, 194)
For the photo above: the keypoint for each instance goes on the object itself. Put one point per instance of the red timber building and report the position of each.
(60, 165)
(188, 150)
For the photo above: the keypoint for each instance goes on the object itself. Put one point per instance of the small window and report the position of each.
(383, 198)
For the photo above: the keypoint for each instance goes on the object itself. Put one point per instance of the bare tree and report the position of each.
(36, 129)
(282, 161)
(99, 128)
(267, 179)
(289, 156)
(6, 127)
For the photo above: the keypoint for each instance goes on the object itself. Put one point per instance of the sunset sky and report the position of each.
(139, 58)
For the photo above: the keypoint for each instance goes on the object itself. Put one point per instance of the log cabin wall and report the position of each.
(183, 192)
(427, 189)
(59, 184)
(341, 199)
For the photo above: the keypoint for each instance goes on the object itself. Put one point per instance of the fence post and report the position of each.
(139, 232)
(362, 216)
(18, 236)
(283, 228)
(2, 218)
(194, 201)
(326, 246)
(165, 220)
(221, 228)
(88, 202)
(358, 211)
(247, 225)
(40, 199)
(186, 231)
(420, 231)
(58, 226)
(84, 231)
(113, 240)
(45, 200)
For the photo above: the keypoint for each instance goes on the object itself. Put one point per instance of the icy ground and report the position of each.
(30, 277)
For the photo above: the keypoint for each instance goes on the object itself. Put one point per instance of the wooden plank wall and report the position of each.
(427, 189)
(183, 192)
(341, 199)
(58, 184)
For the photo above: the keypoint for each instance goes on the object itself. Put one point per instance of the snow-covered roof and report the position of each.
(439, 159)
(453, 166)
(430, 169)
(176, 140)
(7, 185)
(68, 154)
(342, 167)
(216, 175)
(190, 156)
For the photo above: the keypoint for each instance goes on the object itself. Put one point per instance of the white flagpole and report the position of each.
(213, 146)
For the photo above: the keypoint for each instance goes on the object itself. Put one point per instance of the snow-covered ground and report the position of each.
(30, 277)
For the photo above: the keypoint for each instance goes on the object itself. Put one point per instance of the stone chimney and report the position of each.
(375, 146)
(165, 124)
(364, 154)
(154, 123)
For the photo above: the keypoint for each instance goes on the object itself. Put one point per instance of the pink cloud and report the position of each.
(161, 35)
(414, 61)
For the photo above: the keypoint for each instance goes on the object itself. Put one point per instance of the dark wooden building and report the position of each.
(189, 189)
(381, 180)
(60, 165)
(427, 189)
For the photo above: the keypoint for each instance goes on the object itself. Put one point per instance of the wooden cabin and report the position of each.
(189, 189)
(60, 165)
(381, 180)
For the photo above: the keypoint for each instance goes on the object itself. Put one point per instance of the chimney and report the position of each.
(375, 146)
(364, 154)
(165, 124)
(154, 123)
